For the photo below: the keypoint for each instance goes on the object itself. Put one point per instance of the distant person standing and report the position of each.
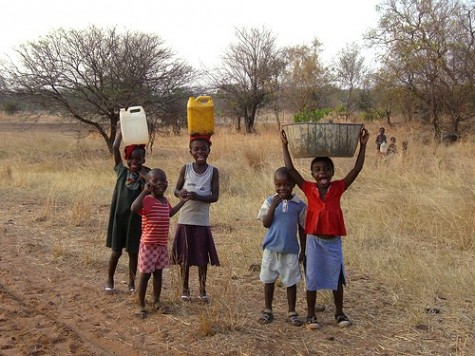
(124, 227)
(380, 139)
(392, 148)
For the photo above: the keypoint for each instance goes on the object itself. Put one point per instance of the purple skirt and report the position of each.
(194, 246)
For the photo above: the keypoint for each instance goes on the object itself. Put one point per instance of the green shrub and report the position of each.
(311, 116)
(372, 114)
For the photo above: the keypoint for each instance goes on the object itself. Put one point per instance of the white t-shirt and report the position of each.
(196, 212)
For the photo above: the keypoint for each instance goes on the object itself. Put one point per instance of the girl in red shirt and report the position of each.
(324, 227)
(153, 255)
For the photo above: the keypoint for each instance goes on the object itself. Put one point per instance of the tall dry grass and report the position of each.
(410, 219)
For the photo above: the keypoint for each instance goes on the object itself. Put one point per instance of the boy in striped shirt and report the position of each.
(156, 211)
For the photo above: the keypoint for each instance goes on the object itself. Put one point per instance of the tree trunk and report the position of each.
(238, 123)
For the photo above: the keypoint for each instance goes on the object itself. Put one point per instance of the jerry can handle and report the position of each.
(203, 98)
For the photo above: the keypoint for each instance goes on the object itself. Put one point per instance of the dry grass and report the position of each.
(410, 243)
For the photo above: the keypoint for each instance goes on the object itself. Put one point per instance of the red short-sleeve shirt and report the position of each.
(155, 221)
(324, 217)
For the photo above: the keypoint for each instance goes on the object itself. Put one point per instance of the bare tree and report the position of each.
(88, 75)
(248, 74)
(428, 47)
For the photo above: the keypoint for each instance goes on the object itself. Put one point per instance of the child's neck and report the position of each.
(200, 167)
(160, 198)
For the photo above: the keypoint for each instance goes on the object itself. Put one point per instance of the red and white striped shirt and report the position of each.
(155, 221)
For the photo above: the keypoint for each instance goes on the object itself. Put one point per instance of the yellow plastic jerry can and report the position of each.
(200, 112)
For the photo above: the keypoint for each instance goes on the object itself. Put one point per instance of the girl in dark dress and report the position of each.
(124, 228)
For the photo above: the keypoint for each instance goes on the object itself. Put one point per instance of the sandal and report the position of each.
(312, 323)
(342, 320)
(294, 319)
(204, 299)
(266, 317)
(185, 298)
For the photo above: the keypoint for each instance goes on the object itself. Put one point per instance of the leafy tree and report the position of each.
(248, 75)
(88, 75)
(428, 48)
(307, 81)
(349, 73)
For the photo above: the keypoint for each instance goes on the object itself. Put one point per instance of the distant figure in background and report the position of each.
(194, 244)
(156, 211)
(392, 148)
(283, 214)
(380, 139)
(404, 146)
(124, 227)
(383, 149)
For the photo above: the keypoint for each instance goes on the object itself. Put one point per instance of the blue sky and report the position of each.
(198, 32)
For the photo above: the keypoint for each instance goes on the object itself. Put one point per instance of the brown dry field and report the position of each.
(52, 300)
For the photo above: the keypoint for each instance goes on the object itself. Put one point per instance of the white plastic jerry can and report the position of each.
(133, 124)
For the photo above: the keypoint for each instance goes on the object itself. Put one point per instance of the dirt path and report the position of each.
(51, 303)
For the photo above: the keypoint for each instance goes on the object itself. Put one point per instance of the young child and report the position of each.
(194, 244)
(392, 148)
(153, 255)
(380, 139)
(325, 226)
(282, 214)
(124, 227)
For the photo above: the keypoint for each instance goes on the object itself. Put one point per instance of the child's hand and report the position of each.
(364, 136)
(148, 187)
(283, 138)
(276, 200)
(183, 193)
(184, 198)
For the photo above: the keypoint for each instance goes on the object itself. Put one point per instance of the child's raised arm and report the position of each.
(351, 176)
(296, 177)
(116, 145)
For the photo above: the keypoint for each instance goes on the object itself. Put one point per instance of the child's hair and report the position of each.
(155, 171)
(131, 148)
(326, 160)
(392, 139)
(283, 171)
(381, 129)
(205, 138)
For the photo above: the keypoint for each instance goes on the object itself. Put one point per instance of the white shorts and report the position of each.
(285, 265)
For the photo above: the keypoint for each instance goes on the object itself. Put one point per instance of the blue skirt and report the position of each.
(324, 263)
